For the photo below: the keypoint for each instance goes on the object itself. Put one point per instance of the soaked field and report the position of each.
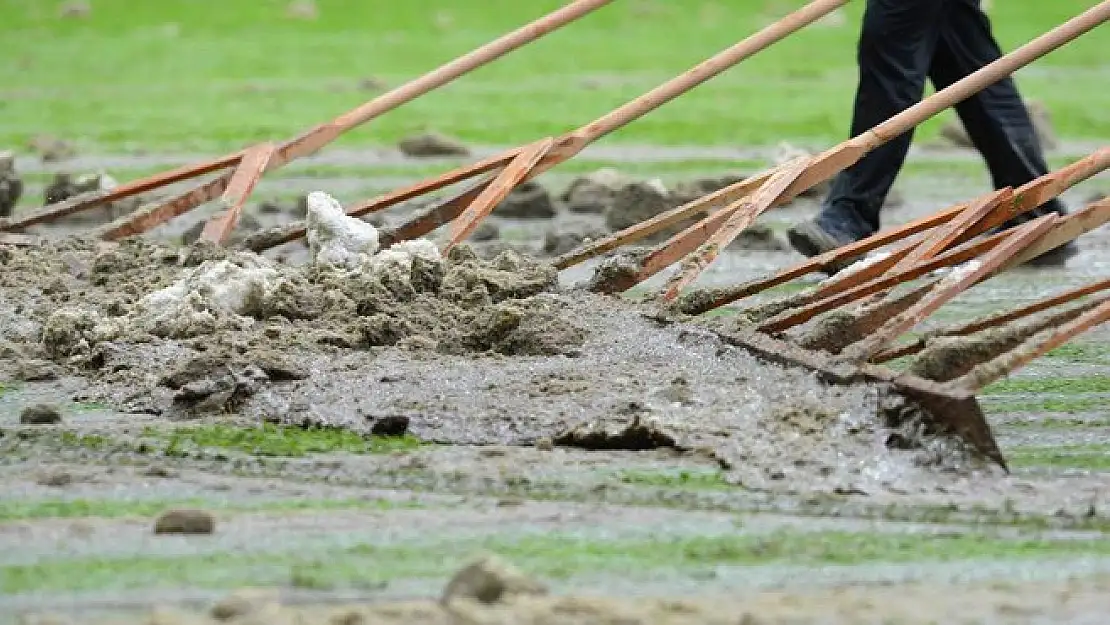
(348, 453)
(716, 501)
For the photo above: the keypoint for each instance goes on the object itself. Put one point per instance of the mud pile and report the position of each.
(456, 350)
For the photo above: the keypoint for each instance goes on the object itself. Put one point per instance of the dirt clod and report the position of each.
(40, 414)
(529, 200)
(185, 522)
(11, 185)
(594, 192)
(490, 580)
(243, 602)
(432, 144)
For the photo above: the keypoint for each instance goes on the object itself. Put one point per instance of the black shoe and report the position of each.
(810, 240)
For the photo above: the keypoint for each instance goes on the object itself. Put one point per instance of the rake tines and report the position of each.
(238, 184)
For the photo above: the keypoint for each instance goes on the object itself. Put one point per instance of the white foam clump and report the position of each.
(334, 237)
(213, 289)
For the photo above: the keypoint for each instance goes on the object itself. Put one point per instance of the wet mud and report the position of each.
(515, 383)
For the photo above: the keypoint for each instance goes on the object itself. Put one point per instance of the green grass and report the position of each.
(1091, 457)
(275, 440)
(1062, 405)
(676, 479)
(176, 75)
(1062, 385)
(122, 508)
(1082, 353)
(548, 556)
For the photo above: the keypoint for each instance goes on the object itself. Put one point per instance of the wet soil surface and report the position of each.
(359, 435)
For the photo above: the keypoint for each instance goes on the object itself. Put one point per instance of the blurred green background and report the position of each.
(196, 75)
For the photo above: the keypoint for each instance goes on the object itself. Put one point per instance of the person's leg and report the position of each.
(895, 49)
(996, 118)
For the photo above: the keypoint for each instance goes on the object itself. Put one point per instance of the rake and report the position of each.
(515, 166)
(250, 163)
(741, 203)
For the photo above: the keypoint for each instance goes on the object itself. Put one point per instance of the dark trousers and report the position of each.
(903, 42)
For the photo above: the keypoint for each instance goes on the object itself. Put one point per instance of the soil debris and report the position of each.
(594, 192)
(248, 224)
(184, 521)
(11, 185)
(634, 436)
(490, 580)
(617, 272)
(529, 200)
(51, 149)
(559, 242)
(432, 144)
(485, 232)
(244, 602)
(66, 185)
(40, 414)
(635, 202)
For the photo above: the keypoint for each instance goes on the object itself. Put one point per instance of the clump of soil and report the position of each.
(66, 185)
(490, 580)
(432, 144)
(559, 242)
(485, 232)
(248, 224)
(40, 414)
(51, 149)
(617, 272)
(636, 202)
(529, 200)
(185, 522)
(298, 208)
(593, 193)
(201, 329)
(11, 185)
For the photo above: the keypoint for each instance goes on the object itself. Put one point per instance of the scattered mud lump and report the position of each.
(594, 192)
(636, 202)
(760, 237)
(529, 200)
(617, 272)
(688, 191)
(185, 521)
(11, 185)
(40, 414)
(51, 149)
(248, 223)
(432, 144)
(490, 580)
(557, 243)
(486, 231)
(243, 602)
(637, 435)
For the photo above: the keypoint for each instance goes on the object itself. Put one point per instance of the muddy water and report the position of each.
(578, 423)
